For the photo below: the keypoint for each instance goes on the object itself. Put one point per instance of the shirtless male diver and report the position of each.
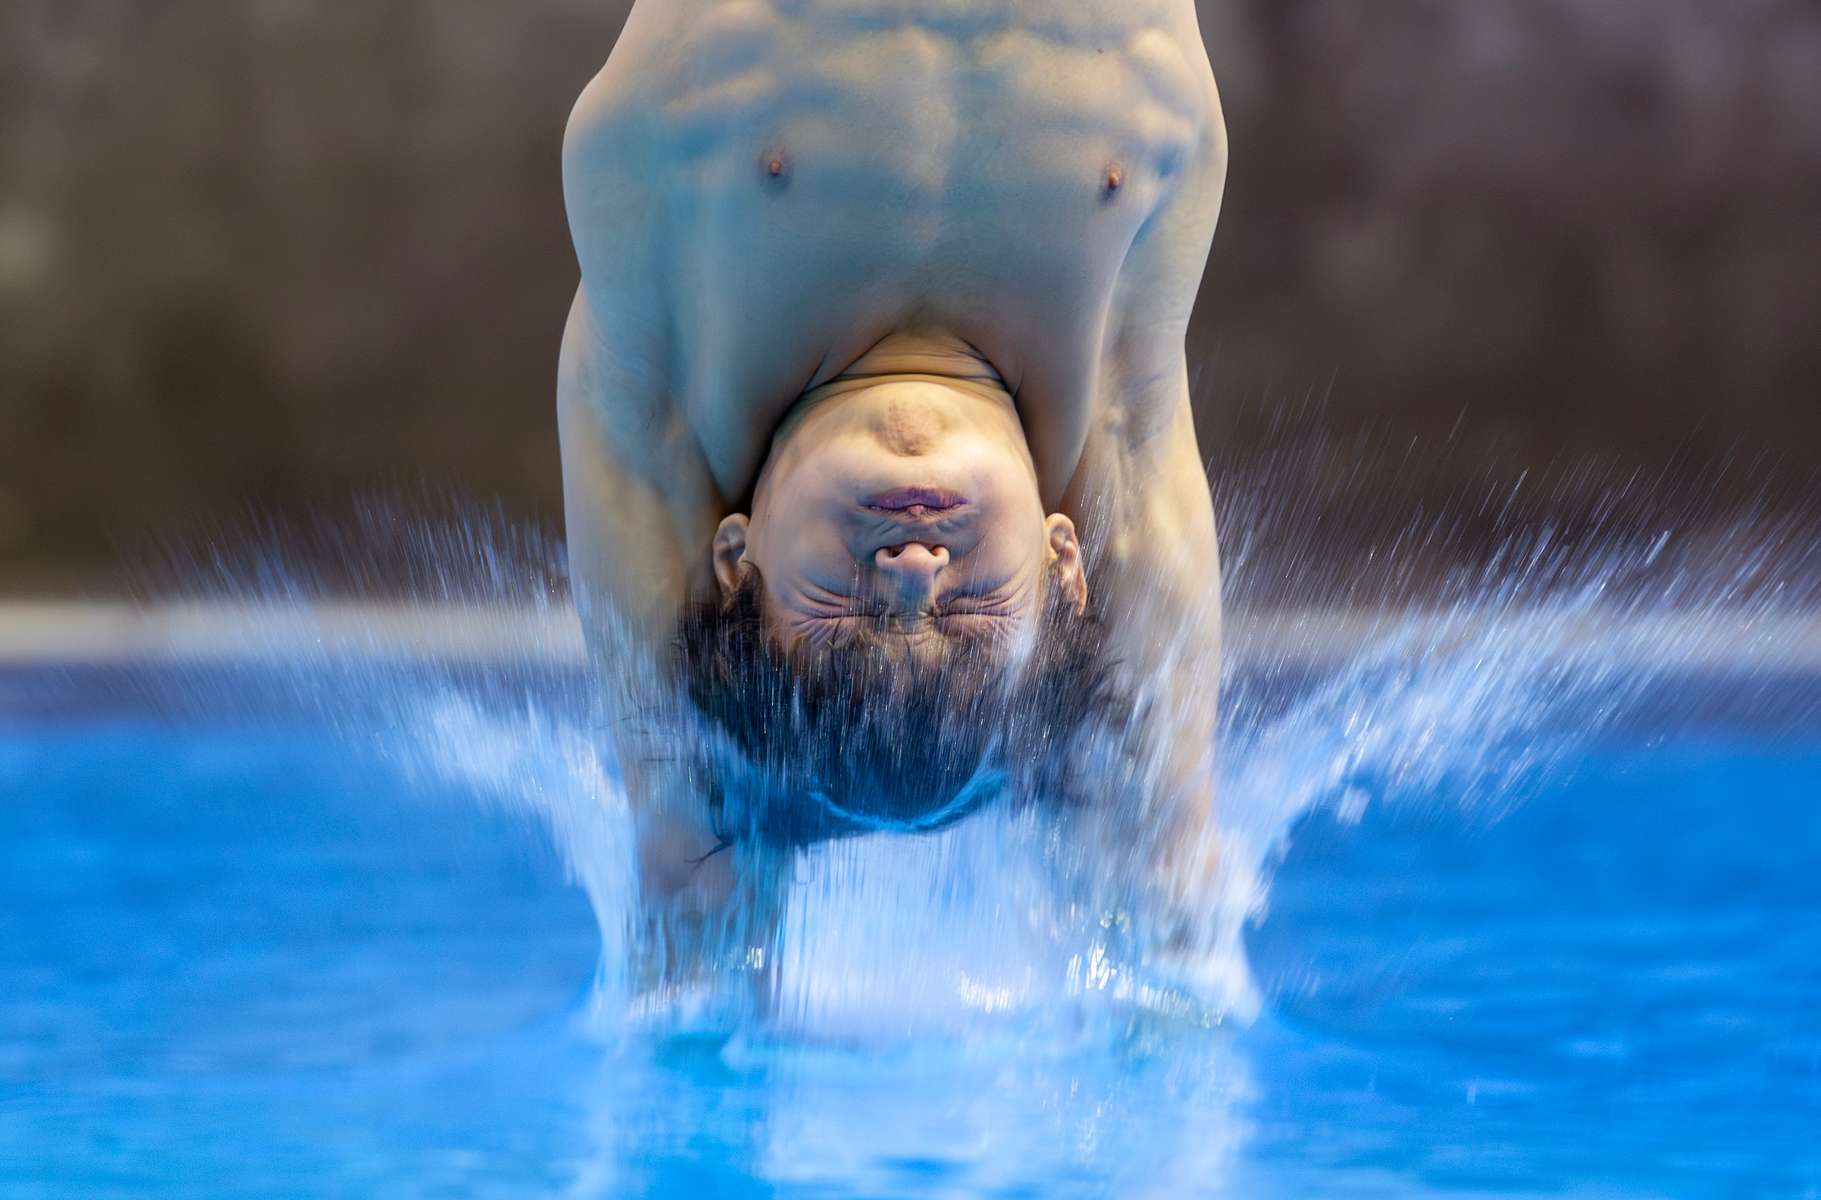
(876, 429)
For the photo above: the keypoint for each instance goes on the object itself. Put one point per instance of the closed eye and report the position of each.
(831, 629)
(980, 606)
(830, 605)
(975, 620)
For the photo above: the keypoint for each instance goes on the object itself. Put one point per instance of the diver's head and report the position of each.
(907, 505)
(901, 628)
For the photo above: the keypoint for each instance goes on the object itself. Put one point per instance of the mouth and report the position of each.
(916, 502)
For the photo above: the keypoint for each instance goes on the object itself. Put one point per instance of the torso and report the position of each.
(763, 191)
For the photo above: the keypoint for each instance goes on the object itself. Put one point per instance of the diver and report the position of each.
(879, 461)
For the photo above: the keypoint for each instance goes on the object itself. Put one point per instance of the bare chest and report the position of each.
(824, 173)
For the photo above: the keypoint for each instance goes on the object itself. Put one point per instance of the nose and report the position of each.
(910, 571)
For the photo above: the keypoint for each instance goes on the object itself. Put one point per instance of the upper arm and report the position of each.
(1142, 485)
(1141, 476)
(640, 503)
(640, 511)
(1162, 271)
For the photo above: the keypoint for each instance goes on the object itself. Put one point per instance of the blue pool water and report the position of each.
(283, 947)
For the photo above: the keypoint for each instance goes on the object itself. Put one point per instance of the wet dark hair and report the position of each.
(810, 744)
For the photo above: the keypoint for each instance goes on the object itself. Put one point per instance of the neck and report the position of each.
(922, 354)
(937, 358)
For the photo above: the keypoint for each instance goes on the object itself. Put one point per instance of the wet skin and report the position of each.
(909, 505)
(836, 249)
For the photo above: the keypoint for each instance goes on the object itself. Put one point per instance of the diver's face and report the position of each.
(907, 505)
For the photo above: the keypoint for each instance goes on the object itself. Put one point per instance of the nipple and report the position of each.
(1115, 179)
(774, 168)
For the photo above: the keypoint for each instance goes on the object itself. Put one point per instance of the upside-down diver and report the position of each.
(879, 459)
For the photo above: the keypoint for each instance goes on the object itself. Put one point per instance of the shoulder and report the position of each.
(607, 148)
(618, 347)
(678, 65)
(685, 78)
(1144, 360)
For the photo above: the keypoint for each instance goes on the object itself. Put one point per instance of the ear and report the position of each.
(1065, 551)
(730, 553)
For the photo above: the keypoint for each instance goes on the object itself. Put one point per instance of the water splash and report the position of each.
(985, 931)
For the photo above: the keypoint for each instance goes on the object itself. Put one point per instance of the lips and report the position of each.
(916, 501)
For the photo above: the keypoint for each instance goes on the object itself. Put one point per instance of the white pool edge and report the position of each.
(88, 633)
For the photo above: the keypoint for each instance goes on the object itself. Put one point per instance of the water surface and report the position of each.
(263, 954)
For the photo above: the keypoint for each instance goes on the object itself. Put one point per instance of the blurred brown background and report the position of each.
(269, 255)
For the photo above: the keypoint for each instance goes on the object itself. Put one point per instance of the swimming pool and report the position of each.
(260, 942)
